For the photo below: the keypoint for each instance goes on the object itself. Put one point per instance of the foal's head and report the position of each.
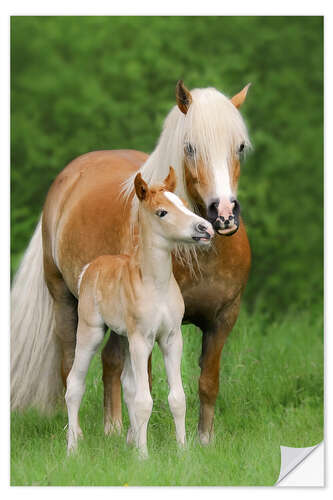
(168, 215)
(214, 140)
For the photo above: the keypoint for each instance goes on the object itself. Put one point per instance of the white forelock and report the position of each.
(212, 124)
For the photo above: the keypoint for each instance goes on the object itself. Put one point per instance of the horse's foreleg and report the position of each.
(212, 344)
(113, 363)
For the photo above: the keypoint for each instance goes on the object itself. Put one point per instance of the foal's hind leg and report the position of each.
(128, 384)
(113, 363)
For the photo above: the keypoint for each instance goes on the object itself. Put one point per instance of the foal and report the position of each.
(138, 298)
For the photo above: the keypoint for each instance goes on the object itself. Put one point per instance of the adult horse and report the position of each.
(89, 212)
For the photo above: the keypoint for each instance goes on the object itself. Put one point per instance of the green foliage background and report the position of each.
(87, 83)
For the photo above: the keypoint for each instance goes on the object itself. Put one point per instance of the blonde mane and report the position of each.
(216, 128)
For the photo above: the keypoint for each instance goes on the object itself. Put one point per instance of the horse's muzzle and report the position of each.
(226, 223)
(225, 228)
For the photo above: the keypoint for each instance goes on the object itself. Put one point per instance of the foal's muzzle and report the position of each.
(225, 223)
(203, 232)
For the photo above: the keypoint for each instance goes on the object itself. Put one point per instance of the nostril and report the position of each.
(201, 228)
(212, 209)
(226, 223)
(236, 207)
(217, 224)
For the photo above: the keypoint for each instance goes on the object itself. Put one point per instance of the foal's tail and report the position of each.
(35, 355)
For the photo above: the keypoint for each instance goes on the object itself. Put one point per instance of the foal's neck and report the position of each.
(154, 256)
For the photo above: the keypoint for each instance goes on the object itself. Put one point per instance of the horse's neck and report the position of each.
(154, 257)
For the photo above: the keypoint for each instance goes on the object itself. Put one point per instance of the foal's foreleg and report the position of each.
(140, 350)
(88, 340)
(172, 347)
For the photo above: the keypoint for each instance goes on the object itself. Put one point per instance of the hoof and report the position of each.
(130, 438)
(143, 453)
(113, 428)
(71, 449)
(72, 440)
(182, 445)
(205, 438)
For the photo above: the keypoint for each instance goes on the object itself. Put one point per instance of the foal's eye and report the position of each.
(241, 148)
(189, 149)
(161, 213)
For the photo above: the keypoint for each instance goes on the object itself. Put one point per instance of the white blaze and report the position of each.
(222, 182)
(178, 203)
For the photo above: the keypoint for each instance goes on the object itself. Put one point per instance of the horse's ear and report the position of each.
(183, 97)
(239, 98)
(141, 187)
(170, 181)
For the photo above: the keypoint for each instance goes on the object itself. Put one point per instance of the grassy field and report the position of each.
(271, 394)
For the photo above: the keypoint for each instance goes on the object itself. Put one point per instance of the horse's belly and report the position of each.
(204, 302)
(201, 302)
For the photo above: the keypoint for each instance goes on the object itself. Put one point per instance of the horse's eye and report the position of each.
(241, 148)
(161, 213)
(189, 149)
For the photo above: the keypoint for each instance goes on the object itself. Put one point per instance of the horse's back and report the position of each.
(84, 214)
(93, 170)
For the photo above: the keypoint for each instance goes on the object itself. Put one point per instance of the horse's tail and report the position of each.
(35, 353)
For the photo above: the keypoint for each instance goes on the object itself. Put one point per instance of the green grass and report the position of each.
(271, 394)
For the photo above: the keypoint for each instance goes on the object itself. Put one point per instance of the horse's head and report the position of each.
(214, 139)
(168, 216)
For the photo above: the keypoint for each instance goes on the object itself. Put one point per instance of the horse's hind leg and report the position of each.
(65, 308)
(113, 363)
(66, 324)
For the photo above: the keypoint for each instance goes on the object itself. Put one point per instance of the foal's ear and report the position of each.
(170, 181)
(141, 187)
(183, 97)
(239, 98)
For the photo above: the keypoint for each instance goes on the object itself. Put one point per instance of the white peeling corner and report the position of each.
(292, 457)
